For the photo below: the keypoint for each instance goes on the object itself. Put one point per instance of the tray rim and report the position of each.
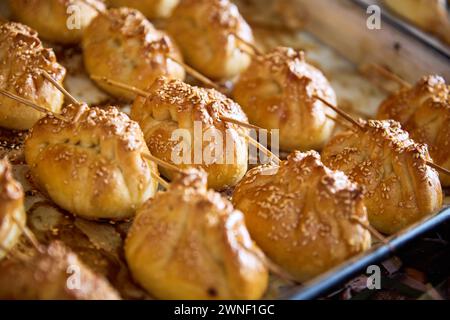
(426, 38)
(325, 282)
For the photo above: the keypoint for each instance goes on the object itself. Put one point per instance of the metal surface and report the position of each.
(323, 284)
(432, 42)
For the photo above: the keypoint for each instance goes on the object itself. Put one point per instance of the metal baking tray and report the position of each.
(321, 28)
(324, 283)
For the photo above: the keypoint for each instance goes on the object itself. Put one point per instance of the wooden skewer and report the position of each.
(66, 94)
(353, 121)
(266, 151)
(252, 141)
(371, 229)
(162, 163)
(248, 44)
(438, 168)
(226, 119)
(196, 74)
(120, 85)
(161, 181)
(60, 87)
(389, 74)
(9, 254)
(340, 112)
(274, 268)
(239, 123)
(25, 230)
(28, 234)
(247, 51)
(31, 104)
(339, 121)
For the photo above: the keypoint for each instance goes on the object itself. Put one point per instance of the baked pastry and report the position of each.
(205, 30)
(152, 9)
(305, 217)
(430, 15)
(277, 92)
(400, 188)
(424, 111)
(55, 274)
(62, 21)
(175, 110)
(12, 212)
(122, 45)
(189, 243)
(92, 167)
(22, 56)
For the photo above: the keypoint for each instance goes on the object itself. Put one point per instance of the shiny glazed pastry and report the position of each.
(400, 188)
(304, 216)
(189, 243)
(22, 56)
(173, 105)
(92, 167)
(122, 45)
(276, 92)
(152, 9)
(12, 212)
(52, 275)
(424, 111)
(62, 21)
(205, 30)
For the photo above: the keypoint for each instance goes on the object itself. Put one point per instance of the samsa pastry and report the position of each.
(122, 45)
(400, 188)
(93, 167)
(61, 21)
(190, 243)
(22, 57)
(182, 125)
(424, 111)
(54, 274)
(278, 91)
(304, 216)
(205, 31)
(152, 9)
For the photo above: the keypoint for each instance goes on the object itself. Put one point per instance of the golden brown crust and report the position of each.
(52, 275)
(189, 243)
(172, 105)
(12, 211)
(276, 92)
(22, 56)
(52, 18)
(204, 30)
(400, 187)
(302, 214)
(122, 45)
(424, 111)
(93, 167)
(152, 9)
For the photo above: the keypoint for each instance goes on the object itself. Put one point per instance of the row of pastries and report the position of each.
(304, 214)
